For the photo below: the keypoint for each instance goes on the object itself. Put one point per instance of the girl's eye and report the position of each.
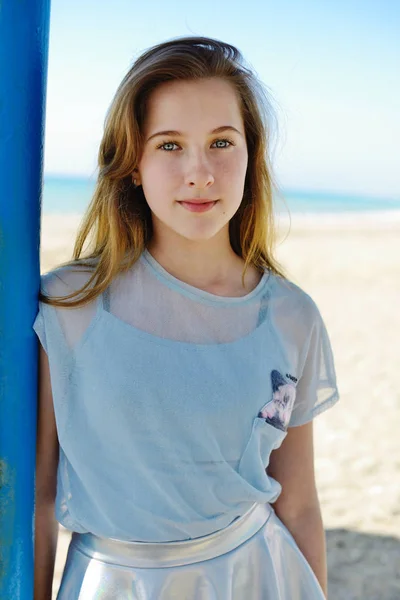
(219, 142)
(166, 146)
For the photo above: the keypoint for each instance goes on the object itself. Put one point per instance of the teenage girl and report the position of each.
(180, 370)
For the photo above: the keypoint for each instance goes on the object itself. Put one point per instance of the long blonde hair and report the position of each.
(118, 219)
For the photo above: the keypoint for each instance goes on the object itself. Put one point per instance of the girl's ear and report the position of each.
(136, 178)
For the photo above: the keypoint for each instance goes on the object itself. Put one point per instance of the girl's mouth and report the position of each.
(197, 207)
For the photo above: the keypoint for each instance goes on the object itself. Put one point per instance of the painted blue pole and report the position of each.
(24, 39)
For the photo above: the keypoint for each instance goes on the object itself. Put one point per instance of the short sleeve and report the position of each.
(40, 328)
(316, 390)
(60, 329)
(41, 323)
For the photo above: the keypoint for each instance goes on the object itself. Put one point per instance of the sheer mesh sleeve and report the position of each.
(316, 388)
(60, 329)
(40, 328)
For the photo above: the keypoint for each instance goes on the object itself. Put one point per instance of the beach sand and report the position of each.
(351, 268)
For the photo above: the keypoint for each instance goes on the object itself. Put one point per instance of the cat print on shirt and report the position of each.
(277, 411)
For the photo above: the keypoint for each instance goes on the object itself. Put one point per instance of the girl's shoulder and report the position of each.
(292, 299)
(65, 279)
(61, 327)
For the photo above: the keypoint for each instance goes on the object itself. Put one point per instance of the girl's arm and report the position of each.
(47, 451)
(292, 465)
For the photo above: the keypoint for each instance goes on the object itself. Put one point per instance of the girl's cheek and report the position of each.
(164, 169)
(172, 171)
(233, 165)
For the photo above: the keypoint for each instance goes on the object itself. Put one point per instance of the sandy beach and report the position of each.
(351, 267)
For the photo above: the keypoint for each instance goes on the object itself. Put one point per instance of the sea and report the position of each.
(71, 195)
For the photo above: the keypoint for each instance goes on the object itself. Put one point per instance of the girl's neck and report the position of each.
(217, 273)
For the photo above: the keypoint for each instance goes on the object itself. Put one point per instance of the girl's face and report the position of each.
(201, 154)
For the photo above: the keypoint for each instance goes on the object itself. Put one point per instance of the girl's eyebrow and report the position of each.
(178, 133)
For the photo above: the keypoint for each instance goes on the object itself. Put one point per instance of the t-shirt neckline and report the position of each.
(174, 283)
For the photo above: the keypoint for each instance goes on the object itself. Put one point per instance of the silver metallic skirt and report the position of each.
(254, 558)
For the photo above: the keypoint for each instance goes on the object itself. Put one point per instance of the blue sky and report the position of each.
(331, 68)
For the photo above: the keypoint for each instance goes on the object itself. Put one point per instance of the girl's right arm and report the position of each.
(47, 452)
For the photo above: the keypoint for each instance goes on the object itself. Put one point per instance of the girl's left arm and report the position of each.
(292, 465)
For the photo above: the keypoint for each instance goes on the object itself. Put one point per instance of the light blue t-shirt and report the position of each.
(169, 400)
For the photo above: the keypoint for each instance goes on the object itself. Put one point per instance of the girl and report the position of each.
(180, 370)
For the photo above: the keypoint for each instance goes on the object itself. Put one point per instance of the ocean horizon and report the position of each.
(72, 195)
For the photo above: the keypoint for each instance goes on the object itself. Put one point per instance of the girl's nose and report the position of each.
(198, 174)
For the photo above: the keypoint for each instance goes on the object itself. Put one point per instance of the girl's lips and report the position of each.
(197, 207)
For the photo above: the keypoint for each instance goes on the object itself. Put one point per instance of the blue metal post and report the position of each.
(24, 39)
